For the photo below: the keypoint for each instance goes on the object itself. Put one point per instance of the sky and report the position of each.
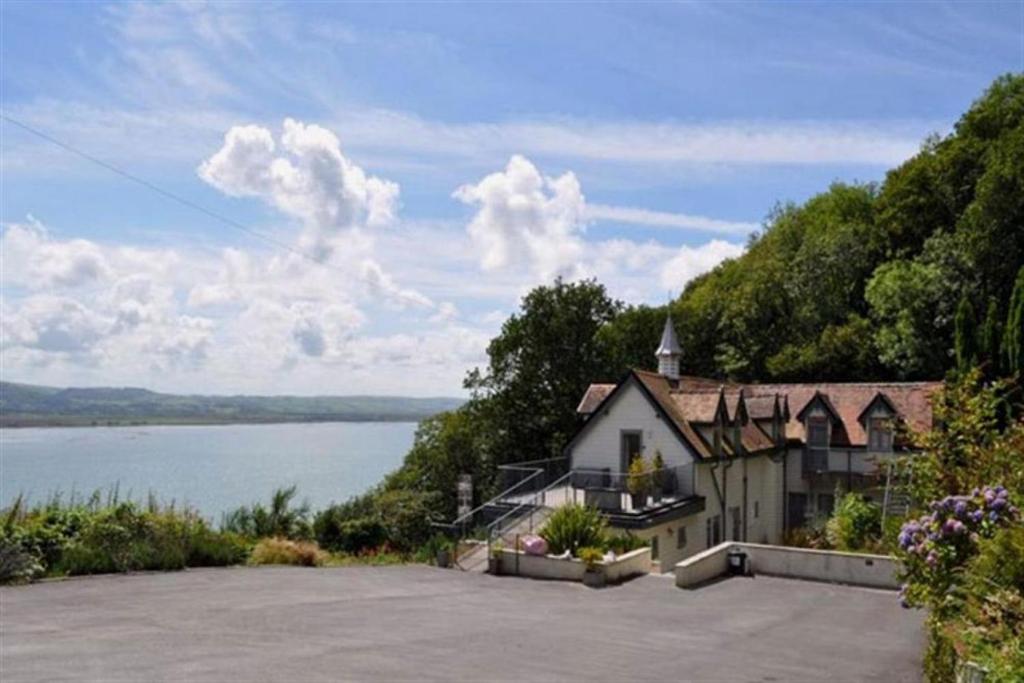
(326, 198)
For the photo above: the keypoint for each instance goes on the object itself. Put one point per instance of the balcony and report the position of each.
(857, 462)
(636, 501)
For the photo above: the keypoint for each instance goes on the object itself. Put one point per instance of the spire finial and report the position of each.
(669, 351)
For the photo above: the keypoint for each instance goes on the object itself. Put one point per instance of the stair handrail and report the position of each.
(494, 527)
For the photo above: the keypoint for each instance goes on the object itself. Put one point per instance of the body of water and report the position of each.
(213, 468)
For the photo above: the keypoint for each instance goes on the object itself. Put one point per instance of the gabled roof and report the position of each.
(880, 397)
(690, 403)
(912, 402)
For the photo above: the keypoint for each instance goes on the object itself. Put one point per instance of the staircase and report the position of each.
(897, 501)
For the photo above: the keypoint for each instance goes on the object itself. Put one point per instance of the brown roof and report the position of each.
(592, 399)
(761, 407)
(912, 400)
(691, 401)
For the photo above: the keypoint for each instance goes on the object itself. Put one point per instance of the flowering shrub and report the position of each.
(936, 545)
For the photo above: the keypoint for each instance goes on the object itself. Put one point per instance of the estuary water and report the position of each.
(212, 468)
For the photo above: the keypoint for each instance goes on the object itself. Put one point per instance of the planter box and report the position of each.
(550, 567)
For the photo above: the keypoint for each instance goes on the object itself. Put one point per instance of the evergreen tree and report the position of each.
(989, 337)
(966, 336)
(1013, 337)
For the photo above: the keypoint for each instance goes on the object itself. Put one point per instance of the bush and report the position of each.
(17, 564)
(572, 527)
(590, 556)
(990, 630)
(620, 544)
(279, 519)
(855, 525)
(286, 551)
(95, 536)
(965, 562)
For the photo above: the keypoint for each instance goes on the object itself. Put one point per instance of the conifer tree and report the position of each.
(966, 336)
(1013, 336)
(989, 338)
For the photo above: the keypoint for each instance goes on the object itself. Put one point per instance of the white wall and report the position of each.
(599, 445)
(878, 571)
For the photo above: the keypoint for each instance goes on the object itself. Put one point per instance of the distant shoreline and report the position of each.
(77, 421)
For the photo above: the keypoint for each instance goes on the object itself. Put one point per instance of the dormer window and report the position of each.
(879, 434)
(817, 432)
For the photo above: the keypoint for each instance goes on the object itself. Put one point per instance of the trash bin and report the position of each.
(737, 563)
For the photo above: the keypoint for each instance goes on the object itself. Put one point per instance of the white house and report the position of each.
(742, 462)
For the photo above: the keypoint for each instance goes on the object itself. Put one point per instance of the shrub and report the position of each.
(638, 480)
(17, 564)
(279, 519)
(286, 551)
(953, 565)
(592, 557)
(620, 544)
(855, 524)
(572, 527)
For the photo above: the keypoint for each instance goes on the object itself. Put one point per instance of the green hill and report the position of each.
(32, 405)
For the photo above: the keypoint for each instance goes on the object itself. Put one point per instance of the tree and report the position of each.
(1013, 337)
(539, 366)
(989, 338)
(965, 337)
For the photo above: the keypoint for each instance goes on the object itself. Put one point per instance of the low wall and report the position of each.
(517, 562)
(877, 571)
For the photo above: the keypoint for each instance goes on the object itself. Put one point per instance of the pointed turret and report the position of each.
(669, 352)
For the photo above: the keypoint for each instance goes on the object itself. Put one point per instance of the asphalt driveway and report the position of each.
(413, 622)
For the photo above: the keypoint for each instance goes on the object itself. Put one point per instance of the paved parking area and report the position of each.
(414, 622)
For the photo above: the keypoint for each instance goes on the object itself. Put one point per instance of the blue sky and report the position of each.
(439, 158)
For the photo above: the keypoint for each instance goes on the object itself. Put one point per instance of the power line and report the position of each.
(161, 191)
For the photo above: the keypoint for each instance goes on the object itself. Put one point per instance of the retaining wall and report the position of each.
(878, 571)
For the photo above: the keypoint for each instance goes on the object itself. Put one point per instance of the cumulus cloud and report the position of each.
(526, 218)
(32, 259)
(304, 174)
(689, 262)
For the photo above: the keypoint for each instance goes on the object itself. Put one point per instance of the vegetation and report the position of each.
(279, 519)
(284, 551)
(856, 524)
(963, 559)
(572, 527)
(31, 405)
(591, 557)
(97, 535)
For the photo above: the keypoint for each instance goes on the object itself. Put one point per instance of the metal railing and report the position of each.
(525, 512)
(624, 492)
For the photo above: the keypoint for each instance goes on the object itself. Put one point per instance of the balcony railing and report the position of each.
(623, 492)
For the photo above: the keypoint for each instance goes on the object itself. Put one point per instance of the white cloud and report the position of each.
(524, 217)
(31, 259)
(309, 179)
(689, 262)
(662, 219)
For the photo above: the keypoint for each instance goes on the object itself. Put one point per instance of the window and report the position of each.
(879, 434)
(735, 517)
(630, 446)
(714, 530)
(680, 538)
(757, 510)
(817, 432)
(654, 547)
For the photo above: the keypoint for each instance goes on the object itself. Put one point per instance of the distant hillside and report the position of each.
(23, 405)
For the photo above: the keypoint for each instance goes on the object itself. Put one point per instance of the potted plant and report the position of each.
(494, 560)
(443, 553)
(659, 475)
(638, 482)
(593, 574)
